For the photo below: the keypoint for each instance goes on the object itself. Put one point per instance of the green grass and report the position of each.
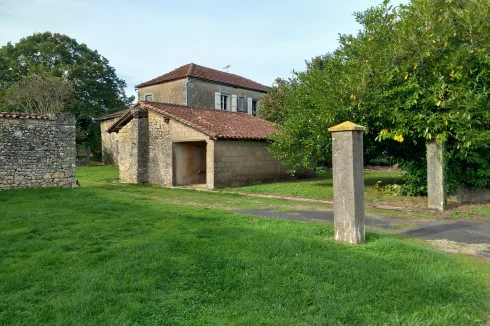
(376, 196)
(321, 187)
(115, 254)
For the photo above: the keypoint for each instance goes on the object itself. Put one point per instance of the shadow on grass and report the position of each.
(91, 256)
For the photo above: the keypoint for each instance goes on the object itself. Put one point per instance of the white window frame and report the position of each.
(148, 94)
(217, 100)
(233, 102)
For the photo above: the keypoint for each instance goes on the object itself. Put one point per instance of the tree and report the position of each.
(98, 89)
(41, 95)
(272, 103)
(412, 73)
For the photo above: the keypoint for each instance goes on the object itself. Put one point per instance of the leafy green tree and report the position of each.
(272, 104)
(98, 89)
(412, 73)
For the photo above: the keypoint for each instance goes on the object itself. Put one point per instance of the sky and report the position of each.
(260, 40)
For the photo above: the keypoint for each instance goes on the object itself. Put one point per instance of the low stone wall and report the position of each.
(37, 151)
(469, 195)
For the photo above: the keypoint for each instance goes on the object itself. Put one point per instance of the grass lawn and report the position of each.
(375, 194)
(117, 254)
(321, 187)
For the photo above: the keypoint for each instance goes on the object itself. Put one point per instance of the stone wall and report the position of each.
(37, 151)
(160, 150)
(181, 132)
(110, 141)
(127, 153)
(468, 195)
(238, 163)
(169, 92)
(201, 93)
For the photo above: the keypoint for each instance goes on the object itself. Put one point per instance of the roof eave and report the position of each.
(121, 121)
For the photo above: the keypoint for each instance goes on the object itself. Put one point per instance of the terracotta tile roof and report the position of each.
(11, 115)
(113, 115)
(197, 71)
(214, 123)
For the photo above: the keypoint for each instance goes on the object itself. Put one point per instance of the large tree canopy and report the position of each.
(412, 73)
(98, 90)
(97, 85)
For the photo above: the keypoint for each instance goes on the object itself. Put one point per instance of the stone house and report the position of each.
(176, 145)
(195, 85)
(190, 85)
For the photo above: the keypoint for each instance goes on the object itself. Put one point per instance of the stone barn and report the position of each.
(37, 151)
(176, 145)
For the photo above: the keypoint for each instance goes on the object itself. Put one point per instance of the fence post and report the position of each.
(436, 189)
(348, 182)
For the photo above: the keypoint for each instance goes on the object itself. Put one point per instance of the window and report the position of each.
(254, 108)
(241, 104)
(149, 97)
(224, 102)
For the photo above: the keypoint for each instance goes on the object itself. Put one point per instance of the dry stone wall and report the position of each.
(37, 151)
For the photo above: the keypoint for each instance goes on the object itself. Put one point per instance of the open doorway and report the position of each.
(189, 163)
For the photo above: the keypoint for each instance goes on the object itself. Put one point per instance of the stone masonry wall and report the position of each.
(238, 163)
(160, 150)
(110, 150)
(37, 153)
(127, 153)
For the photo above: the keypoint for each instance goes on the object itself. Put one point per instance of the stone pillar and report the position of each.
(348, 182)
(141, 136)
(210, 164)
(436, 190)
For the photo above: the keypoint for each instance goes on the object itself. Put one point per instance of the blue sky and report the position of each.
(261, 40)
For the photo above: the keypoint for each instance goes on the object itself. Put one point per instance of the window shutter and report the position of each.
(249, 105)
(233, 103)
(217, 100)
